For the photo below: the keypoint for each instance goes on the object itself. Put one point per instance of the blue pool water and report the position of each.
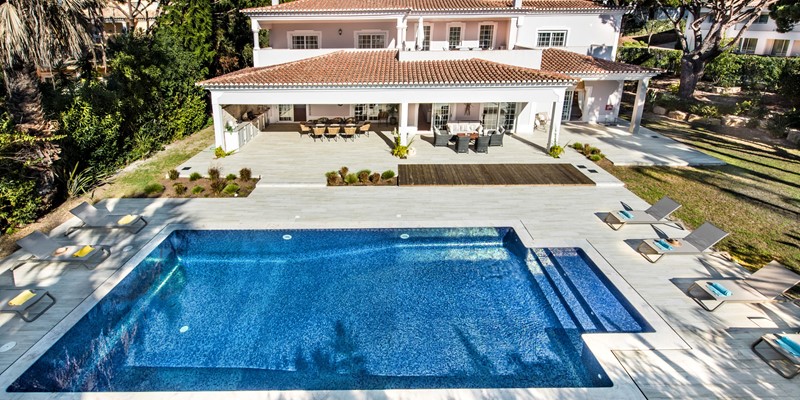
(341, 309)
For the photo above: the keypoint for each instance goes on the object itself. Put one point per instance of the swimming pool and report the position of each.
(341, 309)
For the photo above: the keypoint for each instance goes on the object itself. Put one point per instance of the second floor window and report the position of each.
(780, 47)
(371, 41)
(305, 41)
(486, 37)
(454, 37)
(552, 39)
(747, 46)
(762, 19)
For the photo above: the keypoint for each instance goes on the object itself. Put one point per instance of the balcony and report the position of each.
(528, 58)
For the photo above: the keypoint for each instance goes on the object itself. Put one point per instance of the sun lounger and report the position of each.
(48, 250)
(697, 242)
(786, 347)
(656, 214)
(21, 300)
(765, 285)
(95, 219)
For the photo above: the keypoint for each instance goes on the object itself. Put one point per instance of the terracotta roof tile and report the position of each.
(382, 68)
(423, 5)
(567, 62)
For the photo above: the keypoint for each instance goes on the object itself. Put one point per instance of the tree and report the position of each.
(133, 10)
(190, 23)
(39, 34)
(702, 49)
(785, 13)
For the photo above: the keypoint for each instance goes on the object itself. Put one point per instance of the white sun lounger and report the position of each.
(48, 250)
(765, 285)
(697, 242)
(95, 219)
(656, 214)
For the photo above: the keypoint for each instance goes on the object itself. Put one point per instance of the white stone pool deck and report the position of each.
(694, 353)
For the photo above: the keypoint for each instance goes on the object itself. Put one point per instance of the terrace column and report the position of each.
(256, 28)
(219, 122)
(555, 121)
(401, 34)
(638, 105)
(403, 128)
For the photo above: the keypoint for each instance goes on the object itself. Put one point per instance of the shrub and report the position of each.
(219, 153)
(230, 189)
(18, 203)
(230, 177)
(743, 107)
(725, 70)
(245, 174)
(363, 175)
(197, 189)
(333, 178)
(705, 110)
(556, 151)
(594, 151)
(577, 146)
(173, 174)
(153, 188)
(668, 60)
(778, 126)
(351, 179)
(674, 88)
(596, 157)
(180, 190)
(217, 185)
(388, 174)
(214, 173)
(195, 176)
(343, 173)
(375, 178)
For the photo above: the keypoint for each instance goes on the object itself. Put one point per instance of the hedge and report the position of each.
(668, 60)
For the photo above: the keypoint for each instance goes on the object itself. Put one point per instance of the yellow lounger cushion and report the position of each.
(126, 219)
(83, 251)
(21, 298)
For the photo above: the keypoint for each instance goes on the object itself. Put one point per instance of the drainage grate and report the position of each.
(581, 166)
(592, 171)
(186, 168)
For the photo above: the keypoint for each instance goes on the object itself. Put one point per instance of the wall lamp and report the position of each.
(340, 31)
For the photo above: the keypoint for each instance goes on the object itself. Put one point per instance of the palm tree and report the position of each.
(38, 34)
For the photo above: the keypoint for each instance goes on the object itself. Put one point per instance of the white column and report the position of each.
(403, 128)
(638, 105)
(419, 38)
(256, 28)
(620, 91)
(219, 121)
(789, 48)
(555, 119)
(400, 34)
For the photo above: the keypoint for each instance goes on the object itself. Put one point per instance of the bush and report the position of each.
(674, 88)
(669, 101)
(19, 203)
(197, 189)
(704, 110)
(351, 179)
(230, 189)
(577, 146)
(219, 153)
(333, 178)
(743, 107)
(556, 151)
(213, 173)
(154, 188)
(217, 185)
(230, 177)
(180, 190)
(778, 126)
(343, 173)
(195, 176)
(596, 157)
(725, 70)
(173, 174)
(245, 174)
(363, 175)
(668, 60)
(388, 174)
(375, 178)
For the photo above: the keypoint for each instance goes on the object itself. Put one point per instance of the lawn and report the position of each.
(756, 197)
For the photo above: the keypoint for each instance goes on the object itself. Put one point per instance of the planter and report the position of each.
(412, 152)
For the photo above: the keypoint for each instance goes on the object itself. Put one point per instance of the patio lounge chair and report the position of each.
(21, 300)
(697, 242)
(349, 132)
(786, 345)
(364, 129)
(48, 250)
(317, 132)
(95, 219)
(440, 139)
(656, 214)
(765, 285)
(332, 133)
(304, 130)
(496, 138)
(482, 144)
(462, 144)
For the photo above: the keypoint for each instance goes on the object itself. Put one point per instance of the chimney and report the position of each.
(517, 3)
(276, 2)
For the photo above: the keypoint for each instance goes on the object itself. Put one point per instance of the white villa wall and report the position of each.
(329, 33)
(314, 111)
(586, 33)
(764, 33)
(599, 94)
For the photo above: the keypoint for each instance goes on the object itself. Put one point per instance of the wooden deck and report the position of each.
(491, 174)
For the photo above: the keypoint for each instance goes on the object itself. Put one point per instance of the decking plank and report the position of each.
(491, 174)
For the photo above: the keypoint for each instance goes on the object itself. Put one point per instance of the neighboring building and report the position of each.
(761, 38)
(427, 62)
(119, 17)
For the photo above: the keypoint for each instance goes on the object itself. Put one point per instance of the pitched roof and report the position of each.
(567, 62)
(382, 68)
(300, 6)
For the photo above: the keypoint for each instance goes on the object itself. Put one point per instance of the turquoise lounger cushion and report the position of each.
(663, 245)
(718, 289)
(789, 345)
(625, 214)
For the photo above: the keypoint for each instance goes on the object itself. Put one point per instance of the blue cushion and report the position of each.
(789, 345)
(663, 245)
(625, 214)
(718, 289)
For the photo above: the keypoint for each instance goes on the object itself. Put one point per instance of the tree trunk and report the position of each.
(692, 69)
(25, 107)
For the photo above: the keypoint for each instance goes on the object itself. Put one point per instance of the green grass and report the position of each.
(756, 197)
(133, 183)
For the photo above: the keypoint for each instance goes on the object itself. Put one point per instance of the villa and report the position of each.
(761, 38)
(519, 65)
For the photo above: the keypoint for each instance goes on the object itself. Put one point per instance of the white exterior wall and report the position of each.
(589, 34)
(329, 33)
(600, 94)
(764, 33)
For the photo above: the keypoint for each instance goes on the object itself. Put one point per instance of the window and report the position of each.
(552, 39)
(441, 114)
(486, 37)
(780, 47)
(510, 116)
(305, 41)
(747, 46)
(285, 112)
(762, 19)
(454, 37)
(567, 110)
(426, 37)
(371, 41)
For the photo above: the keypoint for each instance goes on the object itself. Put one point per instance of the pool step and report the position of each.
(566, 292)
